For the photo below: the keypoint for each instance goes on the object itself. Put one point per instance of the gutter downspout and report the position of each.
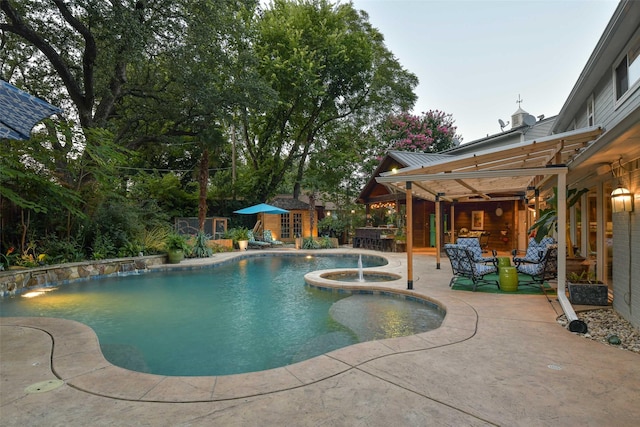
(575, 324)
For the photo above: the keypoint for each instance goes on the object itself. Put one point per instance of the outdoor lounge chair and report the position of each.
(473, 244)
(268, 237)
(257, 244)
(463, 265)
(535, 251)
(545, 269)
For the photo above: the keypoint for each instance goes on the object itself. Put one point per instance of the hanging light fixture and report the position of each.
(621, 197)
(621, 200)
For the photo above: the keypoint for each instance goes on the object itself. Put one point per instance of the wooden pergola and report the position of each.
(488, 175)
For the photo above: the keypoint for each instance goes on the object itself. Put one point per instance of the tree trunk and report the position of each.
(312, 211)
(203, 179)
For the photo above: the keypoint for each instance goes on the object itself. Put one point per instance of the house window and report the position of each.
(591, 108)
(627, 71)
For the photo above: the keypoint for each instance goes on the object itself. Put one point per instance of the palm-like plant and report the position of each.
(547, 223)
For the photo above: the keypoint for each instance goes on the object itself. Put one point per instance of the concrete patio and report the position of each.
(497, 360)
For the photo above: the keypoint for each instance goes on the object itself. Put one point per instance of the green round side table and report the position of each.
(508, 279)
(504, 261)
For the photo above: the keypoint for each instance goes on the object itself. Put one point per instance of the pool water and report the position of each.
(245, 316)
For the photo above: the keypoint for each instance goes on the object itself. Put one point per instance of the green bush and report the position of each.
(175, 241)
(310, 243)
(325, 242)
(60, 251)
(331, 226)
(130, 249)
(102, 247)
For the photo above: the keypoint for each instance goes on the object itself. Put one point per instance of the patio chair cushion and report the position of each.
(256, 243)
(268, 237)
(473, 244)
(545, 269)
(535, 251)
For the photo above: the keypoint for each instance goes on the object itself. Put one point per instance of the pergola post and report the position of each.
(452, 232)
(409, 199)
(438, 222)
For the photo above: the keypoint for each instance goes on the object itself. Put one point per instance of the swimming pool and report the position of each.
(245, 316)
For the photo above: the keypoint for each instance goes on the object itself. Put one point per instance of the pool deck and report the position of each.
(497, 359)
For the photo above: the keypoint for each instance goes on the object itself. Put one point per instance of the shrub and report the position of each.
(200, 247)
(176, 241)
(325, 242)
(102, 247)
(310, 243)
(60, 250)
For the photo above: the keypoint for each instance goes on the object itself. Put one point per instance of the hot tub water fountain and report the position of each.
(359, 275)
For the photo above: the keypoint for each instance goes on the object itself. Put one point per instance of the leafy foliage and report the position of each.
(183, 107)
(325, 76)
(331, 226)
(310, 243)
(175, 241)
(200, 247)
(432, 132)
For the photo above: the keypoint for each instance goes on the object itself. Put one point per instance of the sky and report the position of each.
(476, 58)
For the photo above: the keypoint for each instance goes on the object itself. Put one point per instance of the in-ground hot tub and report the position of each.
(360, 276)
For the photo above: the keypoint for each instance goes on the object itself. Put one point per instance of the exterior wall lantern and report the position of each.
(621, 200)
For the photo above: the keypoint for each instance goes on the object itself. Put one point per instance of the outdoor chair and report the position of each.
(257, 244)
(545, 269)
(473, 244)
(463, 265)
(268, 237)
(535, 251)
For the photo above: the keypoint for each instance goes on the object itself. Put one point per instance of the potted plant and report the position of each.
(585, 289)
(547, 224)
(177, 247)
(240, 237)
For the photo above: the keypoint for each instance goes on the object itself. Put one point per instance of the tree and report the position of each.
(326, 64)
(432, 132)
(158, 74)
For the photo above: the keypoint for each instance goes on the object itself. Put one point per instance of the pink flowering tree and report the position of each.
(432, 132)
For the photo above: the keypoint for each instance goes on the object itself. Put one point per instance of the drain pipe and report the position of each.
(575, 324)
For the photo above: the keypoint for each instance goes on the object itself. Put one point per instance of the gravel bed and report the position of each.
(604, 325)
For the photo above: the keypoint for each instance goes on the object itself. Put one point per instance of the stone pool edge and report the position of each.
(76, 357)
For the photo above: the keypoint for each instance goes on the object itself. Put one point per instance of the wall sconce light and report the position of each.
(621, 200)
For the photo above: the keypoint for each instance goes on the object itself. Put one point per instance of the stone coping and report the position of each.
(76, 357)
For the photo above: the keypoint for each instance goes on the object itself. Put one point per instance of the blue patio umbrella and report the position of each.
(19, 112)
(261, 208)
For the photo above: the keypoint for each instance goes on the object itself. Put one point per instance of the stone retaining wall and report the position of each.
(15, 281)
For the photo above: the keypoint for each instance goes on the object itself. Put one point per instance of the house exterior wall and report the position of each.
(608, 112)
(598, 82)
(626, 252)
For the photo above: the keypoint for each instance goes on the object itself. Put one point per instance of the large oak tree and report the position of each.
(330, 69)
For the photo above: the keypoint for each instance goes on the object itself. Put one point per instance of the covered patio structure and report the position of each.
(520, 169)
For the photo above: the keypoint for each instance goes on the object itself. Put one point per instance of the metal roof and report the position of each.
(409, 158)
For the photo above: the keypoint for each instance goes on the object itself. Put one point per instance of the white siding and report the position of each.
(626, 254)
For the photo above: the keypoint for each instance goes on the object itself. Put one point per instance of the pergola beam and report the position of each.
(473, 190)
